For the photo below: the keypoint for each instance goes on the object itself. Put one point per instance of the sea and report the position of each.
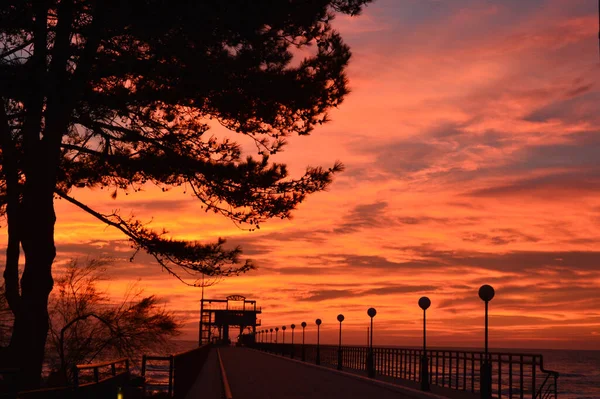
(579, 372)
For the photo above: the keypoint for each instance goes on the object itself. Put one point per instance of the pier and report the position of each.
(272, 376)
(260, 366)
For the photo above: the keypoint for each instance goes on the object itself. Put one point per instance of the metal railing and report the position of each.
(182, 368)
(549, 388)
(101, 371)
(105, 380)
(154, 383)
(514, 375)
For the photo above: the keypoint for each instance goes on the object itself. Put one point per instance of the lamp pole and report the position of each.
(318, 323)
(424, 303)
(370, 361)
(283, 328)
(292, 327)
(486, 293)
(271, 336)
(276, 333)
(303, 327)
(283, 346)
(340, 318)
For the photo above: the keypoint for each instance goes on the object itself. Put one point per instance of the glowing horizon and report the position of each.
(471, 146)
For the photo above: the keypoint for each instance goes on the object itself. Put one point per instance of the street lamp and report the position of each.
(318, 323)
(424, 303)
(271, 336)
(292, 327)
(303, 327)
(283, 328)
(486, 293)
(276, 332)
(283, 346)
(370, 364)
(340, 318)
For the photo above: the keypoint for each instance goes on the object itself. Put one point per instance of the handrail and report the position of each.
(548, 390)
(183, 369)
(95, 366)
(551, 389)
(146, 358)
(515, 375)
(102, 364)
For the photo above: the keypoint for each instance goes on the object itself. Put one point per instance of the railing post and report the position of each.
(144, 365)
(75, 376)
(533, 378)
(171, 373)
(96, 374)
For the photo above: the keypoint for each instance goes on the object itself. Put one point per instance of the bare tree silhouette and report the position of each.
(86, 325)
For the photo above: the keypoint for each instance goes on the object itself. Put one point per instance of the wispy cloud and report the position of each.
(471, 140)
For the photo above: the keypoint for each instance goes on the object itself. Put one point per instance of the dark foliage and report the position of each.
(117, 94)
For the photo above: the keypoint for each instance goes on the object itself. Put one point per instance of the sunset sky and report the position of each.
(472, 155)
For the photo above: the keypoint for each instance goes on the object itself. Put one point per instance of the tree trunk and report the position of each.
(31, 321)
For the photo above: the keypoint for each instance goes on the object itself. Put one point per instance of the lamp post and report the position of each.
(283, 346)
(424, 303)
(276, 333)
(283, 328)
(486, 293)
(340, 318)
(303, 327)
(370, 364)
(271, 340)
(318, 323)
(292, 327)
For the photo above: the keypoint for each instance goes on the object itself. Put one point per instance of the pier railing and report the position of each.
(182, 369)
(90, 381)
(100, 371)
(514, 375)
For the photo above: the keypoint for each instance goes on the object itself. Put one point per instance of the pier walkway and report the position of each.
(251, 374)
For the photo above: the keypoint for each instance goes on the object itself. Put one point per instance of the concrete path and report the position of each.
(208, 384)
(256, 375)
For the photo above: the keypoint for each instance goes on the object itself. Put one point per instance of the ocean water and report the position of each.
(579, 372)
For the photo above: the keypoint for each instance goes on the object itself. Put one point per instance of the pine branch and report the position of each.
(207, 259)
